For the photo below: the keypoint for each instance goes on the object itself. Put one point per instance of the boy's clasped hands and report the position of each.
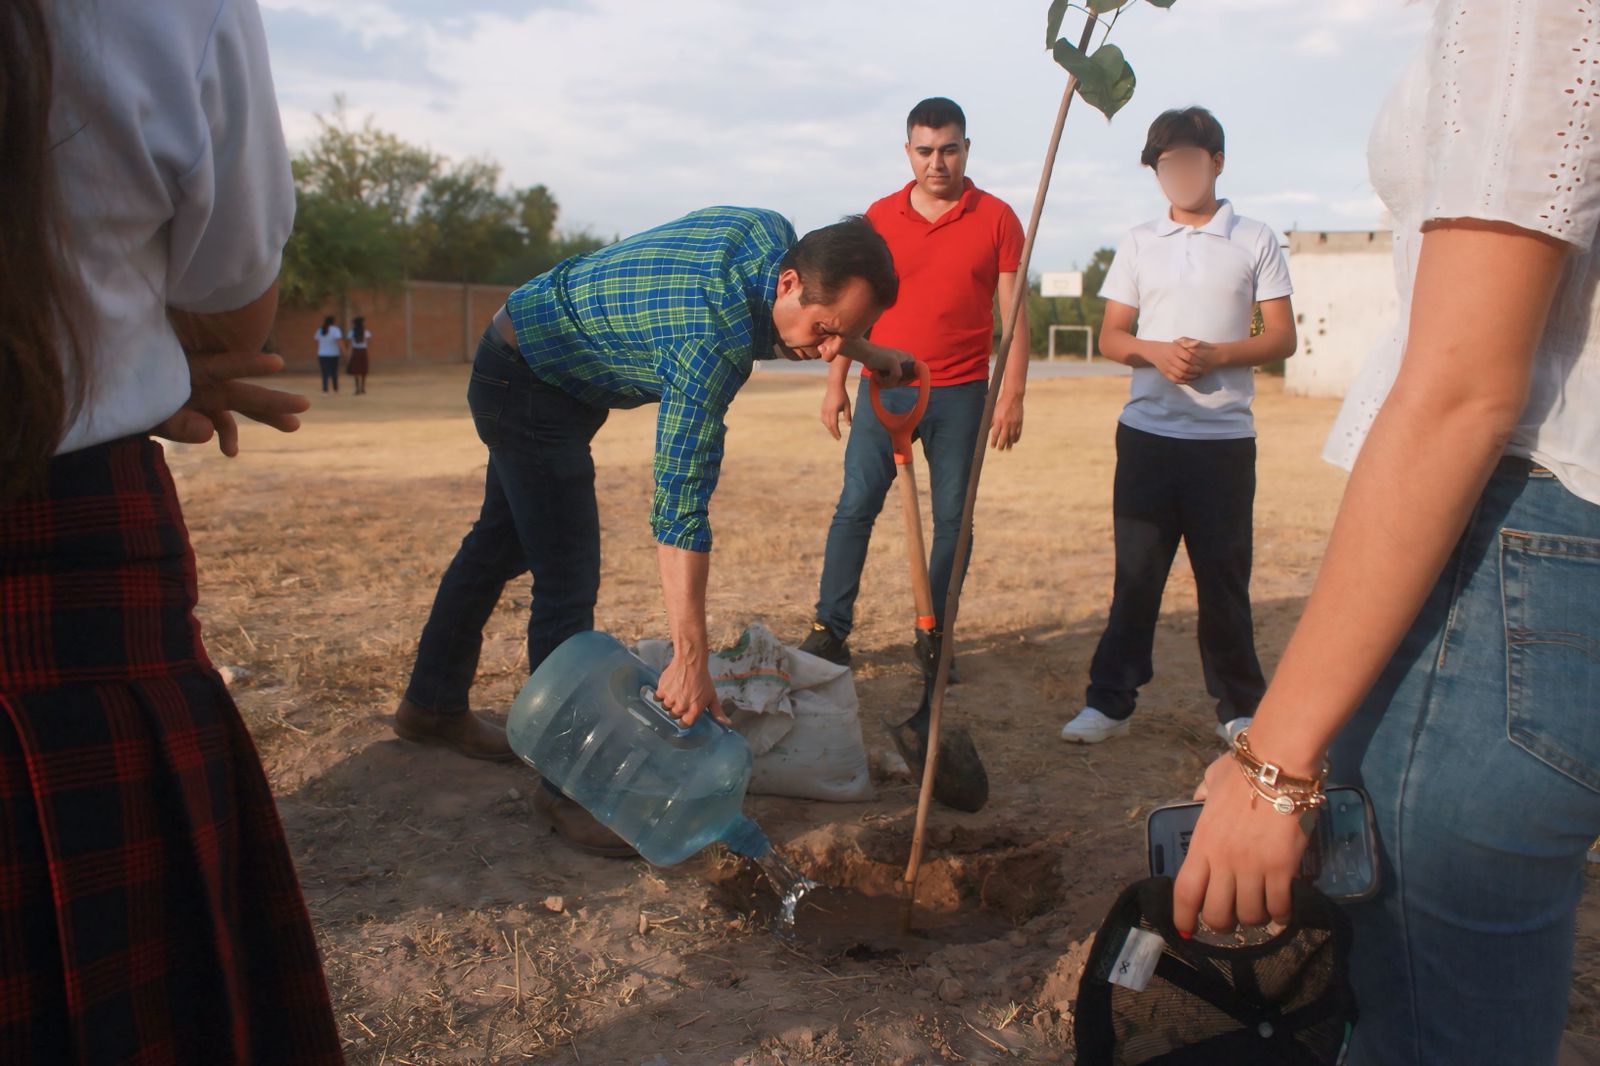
(1183, 360)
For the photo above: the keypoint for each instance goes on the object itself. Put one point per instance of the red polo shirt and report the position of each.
(948, 273)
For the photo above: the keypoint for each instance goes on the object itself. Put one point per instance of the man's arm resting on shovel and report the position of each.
(885, 363)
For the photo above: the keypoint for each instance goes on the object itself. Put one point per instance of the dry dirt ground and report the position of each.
(457, 929)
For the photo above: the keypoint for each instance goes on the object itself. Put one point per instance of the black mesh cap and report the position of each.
(1286, 1000)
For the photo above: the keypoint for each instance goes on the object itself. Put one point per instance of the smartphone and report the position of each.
(1342, 857)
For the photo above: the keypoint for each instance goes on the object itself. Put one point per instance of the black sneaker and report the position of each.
(926, 649)
(824, 643)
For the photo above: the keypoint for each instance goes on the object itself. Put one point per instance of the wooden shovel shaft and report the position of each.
(941, 677)
(916, 550)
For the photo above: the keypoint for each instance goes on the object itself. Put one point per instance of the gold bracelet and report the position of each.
(1285, 802)
(1288, 795)
(1271, 774)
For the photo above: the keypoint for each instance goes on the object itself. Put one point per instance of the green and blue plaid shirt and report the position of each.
(674, 315)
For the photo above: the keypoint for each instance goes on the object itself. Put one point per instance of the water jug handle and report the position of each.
(647, 696)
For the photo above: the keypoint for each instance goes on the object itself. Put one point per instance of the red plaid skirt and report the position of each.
(149, 911)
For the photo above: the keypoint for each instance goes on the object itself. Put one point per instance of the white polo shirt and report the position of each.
(1201, 282)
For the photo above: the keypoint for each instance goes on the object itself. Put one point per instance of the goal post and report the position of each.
(1088, 340)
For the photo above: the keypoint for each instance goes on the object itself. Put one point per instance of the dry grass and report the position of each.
(319, 553)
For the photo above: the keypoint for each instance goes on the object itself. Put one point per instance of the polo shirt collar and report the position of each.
(968, 201)
(1221, 223)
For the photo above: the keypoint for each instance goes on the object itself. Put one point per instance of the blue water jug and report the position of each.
(588, 720)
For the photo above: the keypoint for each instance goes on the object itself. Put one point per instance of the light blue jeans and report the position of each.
(1480, 746)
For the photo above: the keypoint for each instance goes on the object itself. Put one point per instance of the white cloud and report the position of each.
(634, 113)
(1319, 42)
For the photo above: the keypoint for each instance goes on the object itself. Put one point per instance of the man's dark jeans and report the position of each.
(539, 514)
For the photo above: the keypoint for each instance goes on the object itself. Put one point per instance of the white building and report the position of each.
(1344, 301)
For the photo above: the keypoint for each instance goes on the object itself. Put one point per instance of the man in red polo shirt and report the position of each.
(953, 246)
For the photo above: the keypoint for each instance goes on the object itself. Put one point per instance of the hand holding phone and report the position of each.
(1342, 856)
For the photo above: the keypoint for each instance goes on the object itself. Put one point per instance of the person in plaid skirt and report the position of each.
(149, 909)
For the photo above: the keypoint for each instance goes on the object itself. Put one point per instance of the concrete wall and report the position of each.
(1344, 301)
(424, 322)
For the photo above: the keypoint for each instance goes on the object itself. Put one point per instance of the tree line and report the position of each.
(374, 211)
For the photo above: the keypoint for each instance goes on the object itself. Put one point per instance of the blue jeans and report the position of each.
(329, 365)
(949, 432)
(539, 514)
(1480, 745)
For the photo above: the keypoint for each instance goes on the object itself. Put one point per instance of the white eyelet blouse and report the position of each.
(1497, 119)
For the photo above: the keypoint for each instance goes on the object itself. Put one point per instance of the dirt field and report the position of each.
(433, 884)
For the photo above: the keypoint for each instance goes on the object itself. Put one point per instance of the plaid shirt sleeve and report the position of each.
(690, 428)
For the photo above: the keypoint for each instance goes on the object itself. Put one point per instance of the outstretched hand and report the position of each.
(889, 367)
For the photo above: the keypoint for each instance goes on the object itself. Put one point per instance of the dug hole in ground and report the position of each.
(456, 929)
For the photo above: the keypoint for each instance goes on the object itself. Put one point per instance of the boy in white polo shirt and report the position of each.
(1186, 451)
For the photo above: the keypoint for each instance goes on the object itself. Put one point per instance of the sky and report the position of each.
(634, 113)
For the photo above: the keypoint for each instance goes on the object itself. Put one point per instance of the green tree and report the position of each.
(375, 210)
(337, 246)
(356, 188)
(463, 224)
(365, 164)
(542, 246)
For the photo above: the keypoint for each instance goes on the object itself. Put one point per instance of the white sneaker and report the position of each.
(1091, 727)
(1229, 732)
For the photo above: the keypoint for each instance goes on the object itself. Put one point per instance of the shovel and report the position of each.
(959, 779)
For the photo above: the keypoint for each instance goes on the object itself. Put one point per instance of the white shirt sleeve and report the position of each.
(1272, 267)
(235, 205)
(1121, 282)
(1512, 133)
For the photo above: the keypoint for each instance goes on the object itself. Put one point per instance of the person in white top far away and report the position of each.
(330, 346)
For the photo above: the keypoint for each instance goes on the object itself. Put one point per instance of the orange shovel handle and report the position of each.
(902, 426)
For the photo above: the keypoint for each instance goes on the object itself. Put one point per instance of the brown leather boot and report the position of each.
(578, 827)
(466, 734)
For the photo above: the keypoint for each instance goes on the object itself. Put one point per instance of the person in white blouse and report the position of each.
(1448, 659)
(330, 346)
(149, 908)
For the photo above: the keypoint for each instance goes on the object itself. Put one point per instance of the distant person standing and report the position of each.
(330, 346)
(359, 339)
